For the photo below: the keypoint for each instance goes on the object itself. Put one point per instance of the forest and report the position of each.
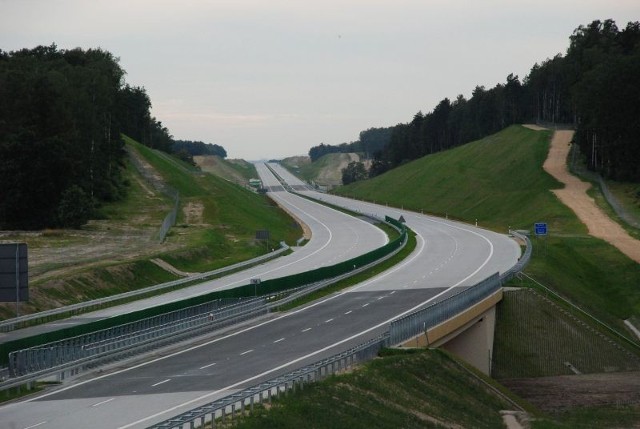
(594, 88)
(62, 113)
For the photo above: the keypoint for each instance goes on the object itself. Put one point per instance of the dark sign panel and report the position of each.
(262, 234)
(14, 272)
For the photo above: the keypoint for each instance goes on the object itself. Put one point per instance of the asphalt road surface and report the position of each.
(336, 237)
(448, 255)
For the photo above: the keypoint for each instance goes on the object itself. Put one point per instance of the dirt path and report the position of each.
(574, 195)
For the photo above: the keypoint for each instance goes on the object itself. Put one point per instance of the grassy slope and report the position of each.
(499, 180)
(235, 170)
(403, 390)
(536, 337)
(230, 218)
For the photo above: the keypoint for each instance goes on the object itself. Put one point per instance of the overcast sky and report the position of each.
(271, 78)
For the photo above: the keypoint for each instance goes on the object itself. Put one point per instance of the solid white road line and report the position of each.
(36, 425)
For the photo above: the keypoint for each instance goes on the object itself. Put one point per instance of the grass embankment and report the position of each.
(235, 170)
(420, 389)
(537, 338)
(218, 220)
(499, 181)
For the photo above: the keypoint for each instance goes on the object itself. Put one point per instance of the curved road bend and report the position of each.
(336, 237)
(449, 255)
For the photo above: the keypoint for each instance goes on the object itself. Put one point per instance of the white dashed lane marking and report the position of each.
(103, 402)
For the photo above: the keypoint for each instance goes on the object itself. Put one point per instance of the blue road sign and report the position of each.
(540, 228)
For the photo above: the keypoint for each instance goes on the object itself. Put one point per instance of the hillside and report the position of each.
(499, 181)
(421, 389)
(216, 226)
(234, 170)
(484, 180)
(325, 172)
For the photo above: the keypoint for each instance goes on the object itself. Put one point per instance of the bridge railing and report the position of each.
(399, 330)
(522, 262)
(105, 343)
(227, 407)
(420, 321)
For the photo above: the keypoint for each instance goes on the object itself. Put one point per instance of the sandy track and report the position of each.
(574, 195)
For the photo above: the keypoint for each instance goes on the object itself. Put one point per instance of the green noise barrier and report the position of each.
(267, 287)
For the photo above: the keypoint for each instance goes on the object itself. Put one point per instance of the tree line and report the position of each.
(370, 141)
(594, 87)
(62, 113)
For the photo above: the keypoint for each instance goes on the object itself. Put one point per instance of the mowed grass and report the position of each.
(228, 217)
(590, 273)
(499, 181)
(420, 389)
(535, 337)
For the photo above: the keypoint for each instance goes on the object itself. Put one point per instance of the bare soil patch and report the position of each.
(332, 174)
(570, 391)
(193, 213)
(55, 255)
(216, 165)
(574, 195)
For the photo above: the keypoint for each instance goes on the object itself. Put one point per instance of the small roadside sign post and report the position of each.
(255, 283)
(540, 229)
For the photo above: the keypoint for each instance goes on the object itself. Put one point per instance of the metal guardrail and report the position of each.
(419, 321)
(399, 331)
(91, 349)
(522, 262)
(11, 324)
(237, 402)
(195, 320)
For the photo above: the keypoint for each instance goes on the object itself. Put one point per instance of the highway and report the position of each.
(336, 237)
(448, 255)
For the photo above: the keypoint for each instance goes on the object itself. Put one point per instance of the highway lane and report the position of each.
(336, 237)
(450, 242)
(448, 256)
(155, 391)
